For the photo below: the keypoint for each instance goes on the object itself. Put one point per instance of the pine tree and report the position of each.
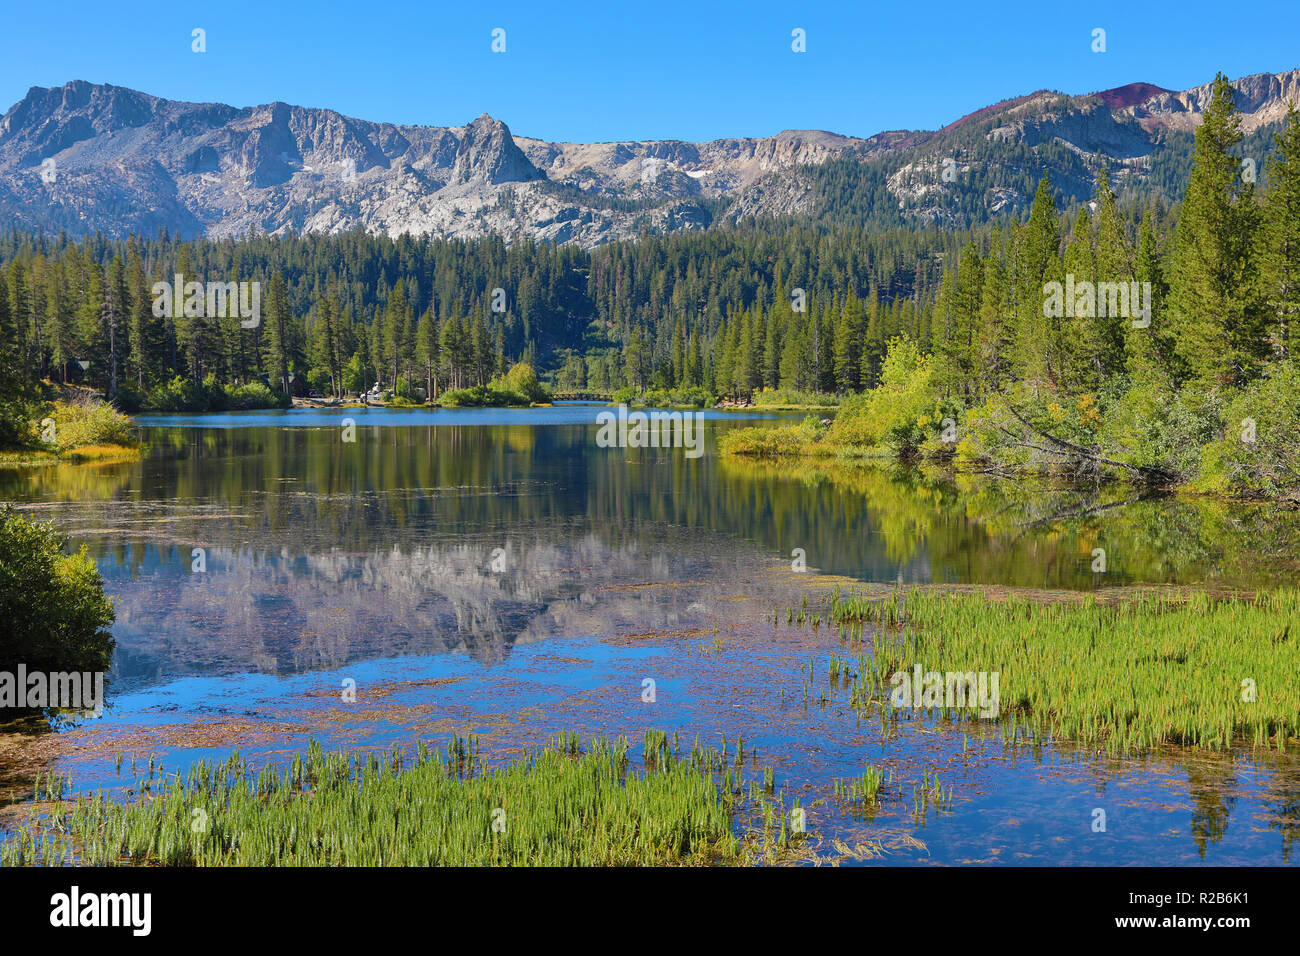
(428, 352)
(994, 334)
(848, 345)
(1214, 295)
(278, 319)
(1281, 236)
(117, 303)
(1149, 348)
(1077, 340)
(1036, 262)
(1113, 272)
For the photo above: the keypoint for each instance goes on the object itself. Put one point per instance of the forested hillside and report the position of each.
(731, 309)
(1201, 295)
(1163, 353)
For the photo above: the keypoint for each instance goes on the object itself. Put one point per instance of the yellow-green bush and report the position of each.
(900, 414)
(89, 421)
(761, 441)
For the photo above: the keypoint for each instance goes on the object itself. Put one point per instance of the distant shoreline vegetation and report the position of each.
(1014, 363)
(185, 395)
(518, 388)
(1183, 375)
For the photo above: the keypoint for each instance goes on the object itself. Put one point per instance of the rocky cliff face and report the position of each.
(87, 157)
(487, 155)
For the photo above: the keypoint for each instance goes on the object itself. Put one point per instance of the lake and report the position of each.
(496, 572)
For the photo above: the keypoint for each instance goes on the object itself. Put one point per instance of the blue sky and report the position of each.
(636, 69)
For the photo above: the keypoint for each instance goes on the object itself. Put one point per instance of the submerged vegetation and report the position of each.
(559, 806)
(1131, 674)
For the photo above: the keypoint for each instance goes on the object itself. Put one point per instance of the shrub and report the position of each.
(1145, 432)
(517, 388)
(319, 380)
(129, 398)
(760, 441)
(901, 413)
(89, 421)
(693, 397)
(55, 614)
(254, 395)
(522, 380)
(1010, 431)
(1152, 426)
(185, 395)
(696, 396)
(794, 396)
(482, 396)
(1257, 453)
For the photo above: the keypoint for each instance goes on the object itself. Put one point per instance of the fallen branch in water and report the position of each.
(1150, 475)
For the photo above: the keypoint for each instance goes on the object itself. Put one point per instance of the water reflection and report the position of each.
(374, 560)
(318, 551)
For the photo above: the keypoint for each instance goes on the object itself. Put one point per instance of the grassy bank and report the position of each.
(1242, 444)
(1131, 674)
(558, 807)
(78, 428)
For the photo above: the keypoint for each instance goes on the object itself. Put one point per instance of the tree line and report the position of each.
(797, 304)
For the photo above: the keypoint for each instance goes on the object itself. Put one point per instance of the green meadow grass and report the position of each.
(1136, 673)
(556, 807)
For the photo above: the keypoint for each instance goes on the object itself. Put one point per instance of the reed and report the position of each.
(929, 794)
(862, 789)
(554, 807)
(1184, 669)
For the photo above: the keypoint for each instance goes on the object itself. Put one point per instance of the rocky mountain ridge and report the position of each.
(86, 157)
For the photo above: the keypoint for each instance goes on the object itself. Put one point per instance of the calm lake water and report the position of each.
(496, 572)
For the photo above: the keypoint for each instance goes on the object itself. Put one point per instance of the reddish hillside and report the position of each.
(987, 110)
(1122, 97)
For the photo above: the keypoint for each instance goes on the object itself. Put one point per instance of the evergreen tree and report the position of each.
(1281, 237)
(1214, 295)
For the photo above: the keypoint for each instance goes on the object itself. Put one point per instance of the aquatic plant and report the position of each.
(1189, 669)
(863, 788)
(556, 807)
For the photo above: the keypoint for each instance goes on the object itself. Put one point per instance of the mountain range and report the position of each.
(91, 158)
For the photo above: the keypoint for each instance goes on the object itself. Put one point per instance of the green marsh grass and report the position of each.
(861, 795)
(930, 793)
(562, 807)
(1133, 674)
